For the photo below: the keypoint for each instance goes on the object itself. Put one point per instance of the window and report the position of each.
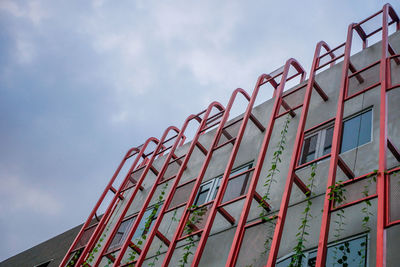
(317, 145)
(357, 130)
(350, 252)
(120, 236)
(236, 186)
(126, 225)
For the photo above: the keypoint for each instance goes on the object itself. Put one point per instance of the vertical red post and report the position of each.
(148, 198)
(112, 206)
(224, 181)
(239, 234)
(381, 179)
(187, 209)
(336, 139)
(294, 159)
(101, 199)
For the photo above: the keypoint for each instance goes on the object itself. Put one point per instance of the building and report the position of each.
(307, 178)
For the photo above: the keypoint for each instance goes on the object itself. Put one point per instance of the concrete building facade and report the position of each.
(307, 178)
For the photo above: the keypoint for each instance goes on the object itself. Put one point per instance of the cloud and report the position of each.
(25, 51)
(33, 10)
(19, 196)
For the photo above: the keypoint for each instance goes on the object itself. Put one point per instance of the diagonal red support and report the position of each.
(349, 173)
(302, 186)
(395, 151)
(226, 215)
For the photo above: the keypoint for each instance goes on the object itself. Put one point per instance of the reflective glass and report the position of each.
(328, 141)
(356, 131)
(202, 195)
(309, 149)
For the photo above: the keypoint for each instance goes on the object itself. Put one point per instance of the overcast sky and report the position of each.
(83, 81)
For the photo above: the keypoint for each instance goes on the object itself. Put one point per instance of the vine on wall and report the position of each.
(96, 248)
(195, 218)
(273, 170)
(337, 195)
(270, 178)
(139, 241)
(303, 232)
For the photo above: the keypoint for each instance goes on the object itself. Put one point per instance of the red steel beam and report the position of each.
(101, 199)
(336, 139)
(112, 206)
(294, 159)
(164, 208)
(383, 145)
(213, 147)
(149, 196)
(225, 178)
(239, 234)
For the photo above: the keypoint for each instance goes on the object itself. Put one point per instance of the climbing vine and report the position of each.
(72, 262)
(303, 232)
(139, 241)
(337, 194)
(273, 170)
(158, 252)
(270, 179)
(366, 214)
(96, 248)
(195, 218)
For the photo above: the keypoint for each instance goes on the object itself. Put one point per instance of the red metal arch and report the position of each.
(279, 88)
(159, 150)
(110, 209)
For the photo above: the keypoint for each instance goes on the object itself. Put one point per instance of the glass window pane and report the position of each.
(309, 149)
(350, 134)
(236, 187)
(202, 195)
(328, 141)
(216, 187)
(352, 252)
(365, 131)
(118, 238)
(356, 131)
(241, 169)
(141, 227)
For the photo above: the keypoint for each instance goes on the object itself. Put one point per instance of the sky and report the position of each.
(83, 81)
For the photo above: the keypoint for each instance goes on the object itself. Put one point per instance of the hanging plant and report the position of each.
(273, 170)
(139, 241)
(158, 252)
(301, 235)
(72, 262)
(195, 218)
(337, 195)
(96, 248)
(270, 178)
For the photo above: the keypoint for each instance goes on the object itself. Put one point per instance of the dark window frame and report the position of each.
(139, 231)
(215, 183)
(307, 253)
(321, 134)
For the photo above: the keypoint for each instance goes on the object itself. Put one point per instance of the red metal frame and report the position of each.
(220, 119)
(217, 204)
(159, 181)
(251, 193)
(113, 204)
(292, 177)
(158, 151)
(214, 146)
(164, 209)
(131, 152)
(383, 144)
